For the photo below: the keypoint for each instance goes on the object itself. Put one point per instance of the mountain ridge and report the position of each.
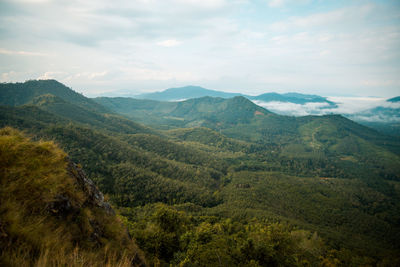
(188, 92)
(15, 94)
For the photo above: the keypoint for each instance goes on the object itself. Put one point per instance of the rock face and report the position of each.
(87, 185)
(63, 207)
(52, 214)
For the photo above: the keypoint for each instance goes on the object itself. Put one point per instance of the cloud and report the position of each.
(282, 3)
(53, 75)
(208, 4)
(276, 3)
(358, 108)
(8, 76)
(376, 118)
(351, 105)
(293, 109)
(169, 43)
(350, 16)
(20, 53)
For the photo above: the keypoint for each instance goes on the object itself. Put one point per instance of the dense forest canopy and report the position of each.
(223, 180)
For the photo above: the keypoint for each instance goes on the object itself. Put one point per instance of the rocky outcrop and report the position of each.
(62, 206)
(93, 194)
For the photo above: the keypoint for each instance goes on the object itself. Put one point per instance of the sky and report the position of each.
(324, 47)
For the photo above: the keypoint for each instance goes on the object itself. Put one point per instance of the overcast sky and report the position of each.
(321, 47)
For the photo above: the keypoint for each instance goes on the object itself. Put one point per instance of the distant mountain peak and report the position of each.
(194, 91)
(186, 92)
(394, 99)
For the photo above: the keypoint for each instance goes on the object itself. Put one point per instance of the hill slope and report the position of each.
(240, 118)
(193, 112)
(56, 98)
(16, 94)
(51, 214)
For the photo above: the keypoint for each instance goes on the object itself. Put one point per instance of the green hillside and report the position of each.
(16, 94)
(205, 111)
(51, 215)
(348, 148)
(245, 171)
(54, 97)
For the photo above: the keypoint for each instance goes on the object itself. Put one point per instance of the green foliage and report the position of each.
(169, 236)
(325, 174)
(341, 210)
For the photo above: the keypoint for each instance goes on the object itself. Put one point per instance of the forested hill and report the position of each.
(16, 94)
(243, 173)
(291, 98)
(56, 98)
(240, 118)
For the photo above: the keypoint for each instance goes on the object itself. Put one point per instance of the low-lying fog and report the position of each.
(356, 107)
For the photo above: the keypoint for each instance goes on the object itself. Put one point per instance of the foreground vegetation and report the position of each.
(46, 218)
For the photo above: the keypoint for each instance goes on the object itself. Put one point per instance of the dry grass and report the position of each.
(32, 176)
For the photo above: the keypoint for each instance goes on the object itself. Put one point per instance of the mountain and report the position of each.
(317, 137)
(16, 94)
(236, 184)
(189, 92)
(51, 214)
(182, 93)
(295, 98)
(394, 99)
(189, 113)
(58, 99)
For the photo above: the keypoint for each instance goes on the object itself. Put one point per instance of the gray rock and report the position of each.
(94, 195)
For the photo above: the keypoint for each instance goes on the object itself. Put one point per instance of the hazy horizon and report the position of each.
(328, 48)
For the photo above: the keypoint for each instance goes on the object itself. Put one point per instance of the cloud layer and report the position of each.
(370, 109)
(321, 47)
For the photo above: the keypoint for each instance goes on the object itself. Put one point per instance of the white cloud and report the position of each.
(376, 118)
(20, 53)
(293, 109)
(381, 83)
(169, 43)
(33, 1)
(212, 4)
(276, 3)
(53, 75)
(355, 107)
(351, 105)
(349, 16)
(8, 76)
(325, 52)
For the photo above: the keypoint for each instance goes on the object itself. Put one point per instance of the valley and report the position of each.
(214, 179)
